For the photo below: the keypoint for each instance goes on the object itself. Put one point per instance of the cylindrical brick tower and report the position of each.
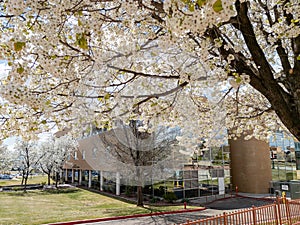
(250, 165)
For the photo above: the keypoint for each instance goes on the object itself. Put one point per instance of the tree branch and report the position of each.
(143, 74)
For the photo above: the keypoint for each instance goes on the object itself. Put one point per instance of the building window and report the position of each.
(95, 152)
(75, 155)
(83, 154)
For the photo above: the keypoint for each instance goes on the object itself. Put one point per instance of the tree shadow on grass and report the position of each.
(62, 191)
(44, 192)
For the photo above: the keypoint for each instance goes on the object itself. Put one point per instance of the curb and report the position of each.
(258, 198)
(126, 217)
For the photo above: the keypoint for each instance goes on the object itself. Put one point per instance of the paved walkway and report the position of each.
(214, 208)
(238, 203)
(168, 219)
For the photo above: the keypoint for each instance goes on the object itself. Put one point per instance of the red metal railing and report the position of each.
(282, 211)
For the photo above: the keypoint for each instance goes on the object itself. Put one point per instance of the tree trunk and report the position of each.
(48, 176)
(25, 180)
(140, 199)
(286, 105)
(23, 176)
(139, 188)
(56, 179)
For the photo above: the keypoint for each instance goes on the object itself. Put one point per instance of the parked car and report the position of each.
(6, 176)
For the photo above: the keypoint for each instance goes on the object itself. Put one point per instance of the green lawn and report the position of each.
(282, 174)
(40, 207)
(31, 180)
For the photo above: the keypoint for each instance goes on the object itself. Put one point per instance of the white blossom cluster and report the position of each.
(182, 19)
(55, 152)
(74, 64)
(250, 120)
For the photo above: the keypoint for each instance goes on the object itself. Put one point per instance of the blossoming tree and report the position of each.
(27, 159)
(54, 154)
(141, 157)
(201, 64)
(6, 161)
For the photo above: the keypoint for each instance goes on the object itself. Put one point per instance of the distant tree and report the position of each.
(54, 154)
(27, 158)
(46, 163)
(6, 160)
(140, 151)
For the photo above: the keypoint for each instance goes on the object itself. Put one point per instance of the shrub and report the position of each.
(17, 188)
(148, 189)
(112, 189)
(185, 200)
(128, 191)
(154, 200)
(160, 191)
(105, 188)
(170, 197)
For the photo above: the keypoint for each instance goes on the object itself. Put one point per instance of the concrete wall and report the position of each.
(250, 165)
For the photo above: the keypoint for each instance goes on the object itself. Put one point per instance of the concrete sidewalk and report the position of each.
(217, 207)
(163, 219)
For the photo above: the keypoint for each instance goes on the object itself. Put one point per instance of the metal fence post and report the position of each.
(288, 213)
(254, 214)
(278, 209)
(225, 218)
(276, 214)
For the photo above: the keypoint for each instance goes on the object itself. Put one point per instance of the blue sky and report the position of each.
(3, 68)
